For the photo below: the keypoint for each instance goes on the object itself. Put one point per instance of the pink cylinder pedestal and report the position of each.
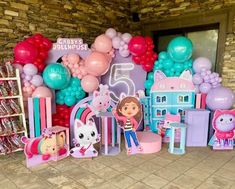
(151, 142)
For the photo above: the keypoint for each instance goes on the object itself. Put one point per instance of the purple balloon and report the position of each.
(111, 33)
(197, 79)
(22, 75)
(201, 63)
(197, 90)
(28, 77)
(220, 98)
(37, 80)
(116, 42)
(30, 69)
(19, 67)
(205, 87)
(124, 52)
(126, 37)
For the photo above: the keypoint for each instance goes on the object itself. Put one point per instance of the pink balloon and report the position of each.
(73, 58)
(42, 92)
(111, 33)
(103, 44)
(19, 67)
(97, 64)
(25, 52)
(89, 83)
(124, 53)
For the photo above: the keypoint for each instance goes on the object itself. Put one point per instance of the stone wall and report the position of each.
(163, 9)
(59, 18)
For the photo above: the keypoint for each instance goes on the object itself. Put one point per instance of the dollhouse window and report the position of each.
(181, 112)
(159, 112)
(161, 99)
(164, 112)
(183, 98)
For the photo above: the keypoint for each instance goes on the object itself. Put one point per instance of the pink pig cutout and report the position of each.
(182, 83)
(101, 100)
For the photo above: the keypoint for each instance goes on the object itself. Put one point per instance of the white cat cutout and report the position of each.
(86, 135)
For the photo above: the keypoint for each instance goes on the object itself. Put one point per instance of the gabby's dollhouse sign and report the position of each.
(65, 46)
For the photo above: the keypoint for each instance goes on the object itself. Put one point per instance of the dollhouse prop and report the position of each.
(12, 115)
(197, 131)
(39, 115)
(168, 94)
(181, 149)
(53, 145)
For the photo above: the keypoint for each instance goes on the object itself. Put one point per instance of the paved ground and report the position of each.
(199, 168)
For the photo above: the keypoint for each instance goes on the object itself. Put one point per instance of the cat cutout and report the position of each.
(101, 100)
(224, 124)
(182, 83)
(86, 135)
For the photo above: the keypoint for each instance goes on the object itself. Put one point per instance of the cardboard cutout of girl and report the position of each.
(128, 114)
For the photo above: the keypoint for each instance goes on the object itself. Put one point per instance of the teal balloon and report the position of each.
(179, 67)
(56, 76)
(148, 92)
(177, 74)
(180, 49)
(59, 101)
(167, 73)
(148, 84)
(150, 75)
(75, 81)
(168, 63)
(163, 55)
(70, 100)
(189, 62)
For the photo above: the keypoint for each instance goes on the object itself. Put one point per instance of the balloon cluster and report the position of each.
(75, 65)
(142, 52)
(119, 41)
(149, 82)
(62, 116)
(204, 80)
(169, 67)
(30, 78)
(72, 94)
(33, 50)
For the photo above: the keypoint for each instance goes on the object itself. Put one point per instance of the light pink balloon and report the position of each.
(97, 64)
(116, 42)
(124, 53)
(89, 83)
(126, 37)
(103, 44)
(73, 58)
(42, 92)
(111, 33)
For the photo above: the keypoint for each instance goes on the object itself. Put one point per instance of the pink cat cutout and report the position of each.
(182, 83)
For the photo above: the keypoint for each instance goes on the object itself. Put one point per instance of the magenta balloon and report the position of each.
(103, 44)
(137, 45)
(111, 33)
(201, 63)
(220, 98)
(30, 69)
(89, 83)
(197, 79)
(25, 52)
(97, 64)
(116, 42)
(42, 92)
(205, 87)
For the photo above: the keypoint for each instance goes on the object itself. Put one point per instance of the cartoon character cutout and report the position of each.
(86, 135)
(101, 100)
(224, 124)
(47, 146)
(128, 114)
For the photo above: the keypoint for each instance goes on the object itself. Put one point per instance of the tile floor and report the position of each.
(199, 168)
